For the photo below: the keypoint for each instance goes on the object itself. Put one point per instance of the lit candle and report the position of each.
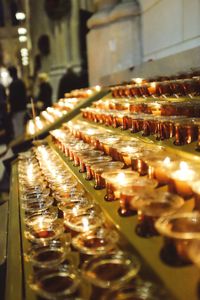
(89, 133)
(116, 180)
(43, 231)
(89, 92)
(182, 179)
(156, 109)
(161, 169)
(31, 127)
(30, 174)
(108, 142)
(98, 169)
(152, 88)
(138, 80)
(85, 224)
(48, 117)
(127, 152)
(38, 123)
(129, 192)
(152, 204)
(97, 88)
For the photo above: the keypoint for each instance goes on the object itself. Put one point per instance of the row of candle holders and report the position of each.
(58, 110)
(189, 87)
(59, 218)
(87, 145)
(183, 130)
(164, 210)
(162, 107)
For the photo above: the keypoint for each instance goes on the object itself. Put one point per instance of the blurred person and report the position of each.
(67, 83)
(74, 78)
(17, 101)
(6, 132)
(44, 98)
(3, 110)
(2, 94)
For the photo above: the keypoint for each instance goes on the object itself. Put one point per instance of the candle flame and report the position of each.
(128, 149)
(90, 131)
(184, 172)
(153, 84)
(47, 116)
(30, 172)
(89, 92)
(75, 211)
(120, 177)
(183, 166)
(85, 223)
(98, 88)
(167, 161)
(138, 80)
(31, 127)
(40, 222)
(39, 123)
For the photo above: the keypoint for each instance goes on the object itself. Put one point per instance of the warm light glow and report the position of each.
(24, 51)
(138, 80)
(153, 84)
(85, 223)
(4, 77)
(128, 150)
(31, 127)
(39, 123)
(74, 210)
(183, 166)
(157, 105)
(90, 132)
(22, 31)
(110, 140)
(59, 179)
(4, 74)
(120, 177)
(30, 176)
(69, 105)
(184, 173)
(25, 63)
(20, 16)
(50, 109)
(167, 161)
(58, 133)
(22, 38)
(40, 223)
(44, 153)
(98, 88)
(48, 117)
(25, 59)
(89, 92)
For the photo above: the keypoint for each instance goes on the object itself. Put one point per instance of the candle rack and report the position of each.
(180, 282)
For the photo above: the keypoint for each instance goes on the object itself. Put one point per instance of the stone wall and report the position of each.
(185, 61)
(169, 27)
(144, 30)
(114, 40)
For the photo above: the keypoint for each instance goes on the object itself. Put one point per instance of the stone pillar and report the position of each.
(114, 40)
(61, 55)
(125, 36)
(97, 41)
(74, 35)
(101, 16)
